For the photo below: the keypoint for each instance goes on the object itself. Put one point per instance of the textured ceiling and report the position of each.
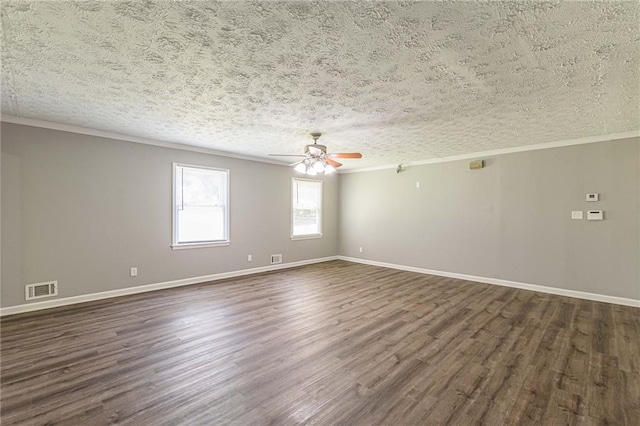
(397, 81)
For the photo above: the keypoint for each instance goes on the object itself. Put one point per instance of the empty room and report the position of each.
(320, 213)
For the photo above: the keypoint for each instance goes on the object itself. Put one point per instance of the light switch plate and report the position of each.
(592, 197)
(577, 214)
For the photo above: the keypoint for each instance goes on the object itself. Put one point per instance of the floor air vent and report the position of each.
(40, 290)
(276, 258)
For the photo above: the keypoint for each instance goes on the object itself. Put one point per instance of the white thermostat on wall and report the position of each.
(592, 197)
(595, 215)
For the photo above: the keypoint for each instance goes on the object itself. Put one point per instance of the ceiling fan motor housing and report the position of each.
(315, 149)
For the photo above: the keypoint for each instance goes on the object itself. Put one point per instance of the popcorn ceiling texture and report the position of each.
(397, 81)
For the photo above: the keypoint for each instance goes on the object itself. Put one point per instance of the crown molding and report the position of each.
(123, 137)
(474, 155)
(494, 152)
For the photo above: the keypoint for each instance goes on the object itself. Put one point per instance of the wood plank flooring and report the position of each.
(336, 343)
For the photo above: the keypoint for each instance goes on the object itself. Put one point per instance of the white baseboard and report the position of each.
(29, 307)
(533, 287)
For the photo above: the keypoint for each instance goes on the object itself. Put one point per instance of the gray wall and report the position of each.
(83, 210)
(510, 220)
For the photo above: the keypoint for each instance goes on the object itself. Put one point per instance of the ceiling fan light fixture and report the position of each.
(317, 161)
(301, 168)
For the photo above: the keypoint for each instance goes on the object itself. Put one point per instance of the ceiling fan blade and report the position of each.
(296, 163)
(334, 163)
(287, 155)
(346, 155)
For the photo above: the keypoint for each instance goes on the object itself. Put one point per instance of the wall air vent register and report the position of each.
(41, 290)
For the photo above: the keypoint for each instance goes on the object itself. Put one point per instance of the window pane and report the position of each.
(201, 199)
(199, 224)
(307, 205)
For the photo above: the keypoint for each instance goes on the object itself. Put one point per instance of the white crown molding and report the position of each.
(525, 148)
(505, 283)
(54, 303)
(120, 136)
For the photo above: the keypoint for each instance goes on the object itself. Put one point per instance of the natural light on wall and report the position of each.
(307, 209)
(200, 210)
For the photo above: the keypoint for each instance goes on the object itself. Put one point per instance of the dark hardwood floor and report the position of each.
(326, 344)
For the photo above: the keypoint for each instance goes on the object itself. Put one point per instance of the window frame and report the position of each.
(175, 245)
(320, 209)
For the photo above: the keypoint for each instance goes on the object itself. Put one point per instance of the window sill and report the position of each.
(199, 245)
(306, 237)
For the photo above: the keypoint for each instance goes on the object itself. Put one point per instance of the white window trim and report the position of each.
(174, 212)
(184, 246)
(306, 237)
(293, 206)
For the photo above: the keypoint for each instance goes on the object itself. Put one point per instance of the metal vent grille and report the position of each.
(276, 258)
(40, 290)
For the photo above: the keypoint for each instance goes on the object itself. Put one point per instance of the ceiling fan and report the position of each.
(316, 160)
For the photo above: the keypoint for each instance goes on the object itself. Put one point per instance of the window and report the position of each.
(307, 209)
(200, 206)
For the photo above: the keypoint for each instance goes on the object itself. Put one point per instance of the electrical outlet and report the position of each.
(249, 258)
(133, 272)
(360, 249)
